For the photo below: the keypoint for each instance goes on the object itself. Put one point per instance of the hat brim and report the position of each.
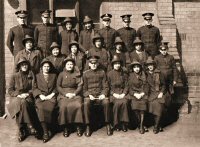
(19, 63)
(57, 46)
(67, 60)
(26, 39)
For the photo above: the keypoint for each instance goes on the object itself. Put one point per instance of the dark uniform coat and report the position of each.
(142, 58)
(118, 84)
(44, 35)
(150, 36)
(109, 35)
(124, 57)
(46, 107)
(15, 37)
(128, 36)
(167, 66)
(70, 110)
(156, 84)
(138, 84)
(57, 62)
(65, 38)
(21, 83)
(95, 83)
(85, 39)
(34, 57)
(104, 57)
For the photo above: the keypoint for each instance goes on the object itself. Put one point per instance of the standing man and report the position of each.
(17, 33)
(127, 33)
(150, 35)
(107, 32)
(45, 33)
(86, 35)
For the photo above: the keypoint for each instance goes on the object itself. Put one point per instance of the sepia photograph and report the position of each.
(93, 73)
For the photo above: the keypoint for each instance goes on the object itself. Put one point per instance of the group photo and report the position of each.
(104, 68)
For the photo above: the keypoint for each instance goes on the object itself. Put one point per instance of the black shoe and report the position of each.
(124, 128)
(109, 130)
(156, 130)
(161, 129)
(66, 132)
(146, 129)
(87, 131)
(117, 128)
(79, 131)
(32, 130)
(141, 130)
(21, 135)
(45, 137)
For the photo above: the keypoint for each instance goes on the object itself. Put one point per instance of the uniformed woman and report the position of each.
(117, 80)
(45, 95)
(76, 55)
(69, 85)
(157, 93)
(57, 59)
(21, 104)
(138, 90)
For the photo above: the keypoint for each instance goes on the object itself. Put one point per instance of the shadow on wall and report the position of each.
(14, 3)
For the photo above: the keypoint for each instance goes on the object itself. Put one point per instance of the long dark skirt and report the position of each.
(22, 109)
(138, 104)
(45, 110)
(70, 110)
(156, 108)
(120, 110)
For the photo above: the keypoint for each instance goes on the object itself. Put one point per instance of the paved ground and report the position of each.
(183, 133)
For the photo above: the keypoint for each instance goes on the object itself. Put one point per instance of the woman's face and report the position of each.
(88, 26)
(118, 46)
(136, 68)
(150, 67)
(138, 47)
(29, 45)
(46, 68)
(68, 25)
(55, 51)
(74, 49)
(69, 65)
(116, 66)
(24, 66)
(98, 43)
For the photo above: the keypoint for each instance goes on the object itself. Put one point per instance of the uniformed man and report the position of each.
(17, 33)
(95, 90)
(67, 35)
(107, 32)
(127, 33)
(150, 35)
(45, 33)
(86, 35)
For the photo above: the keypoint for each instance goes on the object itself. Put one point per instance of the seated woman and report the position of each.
(138, 90)
(77, 55)
(157, 93)
(69, 85)
(117, 80)
(21, 104)
(56, 58)
(45, 95)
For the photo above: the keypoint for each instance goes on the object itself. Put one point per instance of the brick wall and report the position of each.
(187, 17)
(10, 21)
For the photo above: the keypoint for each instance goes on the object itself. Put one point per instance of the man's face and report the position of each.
(150, 67)
(69, 66)
(24, 66)
(28, 45)
(98, 43)
(46, 68)
(46, 20)
(93, 65)
(88, 25)
(21, 20)
(126, 24)
(55, 51)
(116, 66)
(68, 26)
(136, 68)
(148, 22)
(138, 47)
(106, 23)
(74, 49)
(163, 52)
(118, 46)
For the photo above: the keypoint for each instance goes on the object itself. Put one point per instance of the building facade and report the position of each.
(178, 21)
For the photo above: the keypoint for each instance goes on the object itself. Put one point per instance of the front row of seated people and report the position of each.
(142, 87)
